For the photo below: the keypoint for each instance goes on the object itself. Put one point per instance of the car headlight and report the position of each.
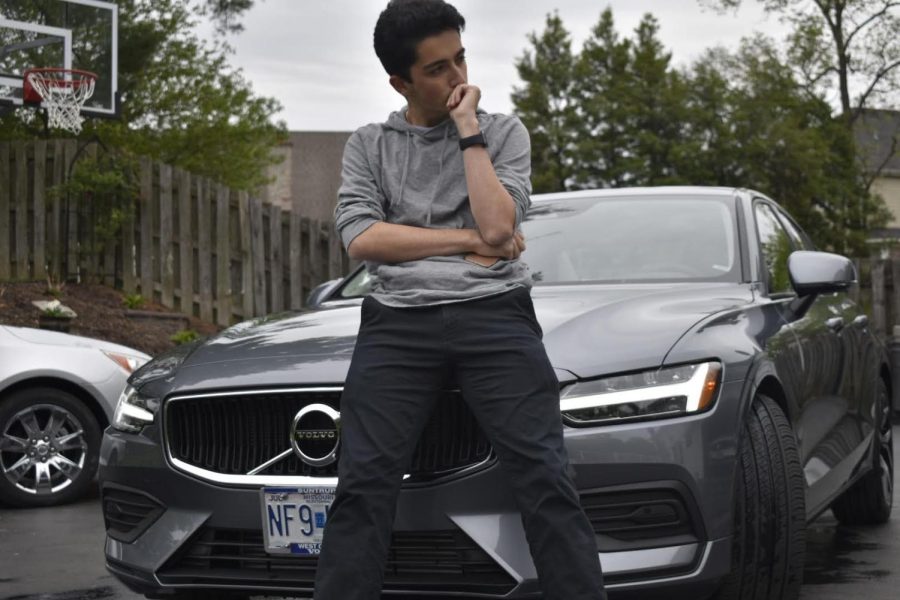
(661, 393)
(133, 411)
(128, 363)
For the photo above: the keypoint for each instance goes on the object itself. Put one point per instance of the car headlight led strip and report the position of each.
(133, 411)
(655, 394)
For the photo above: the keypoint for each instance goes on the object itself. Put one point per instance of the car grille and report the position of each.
(435, 561)
(128, 514)
(235, 433)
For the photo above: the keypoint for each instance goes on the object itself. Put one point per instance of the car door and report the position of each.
(859, 349)
(810, 361)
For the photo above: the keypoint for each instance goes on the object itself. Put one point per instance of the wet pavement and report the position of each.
(57, 554)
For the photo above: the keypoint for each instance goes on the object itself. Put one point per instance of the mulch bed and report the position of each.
(101, 315)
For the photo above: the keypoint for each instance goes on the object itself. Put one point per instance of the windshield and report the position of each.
(632, 239)
(623, 240)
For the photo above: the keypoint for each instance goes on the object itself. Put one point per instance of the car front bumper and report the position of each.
(659, 495)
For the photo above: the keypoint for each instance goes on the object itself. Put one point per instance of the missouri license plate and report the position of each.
(294, 518)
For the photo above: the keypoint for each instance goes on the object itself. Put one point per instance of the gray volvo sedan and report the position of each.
(718, 386)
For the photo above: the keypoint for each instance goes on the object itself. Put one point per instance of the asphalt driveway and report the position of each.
(57, 554)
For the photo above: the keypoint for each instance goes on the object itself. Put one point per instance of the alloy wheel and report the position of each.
(43, 449)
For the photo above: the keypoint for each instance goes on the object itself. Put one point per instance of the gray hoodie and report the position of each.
(401, 173)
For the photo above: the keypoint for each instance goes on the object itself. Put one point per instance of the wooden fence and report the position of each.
(208, 251)
(185, 241)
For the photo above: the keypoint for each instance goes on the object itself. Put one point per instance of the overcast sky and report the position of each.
(316, 56)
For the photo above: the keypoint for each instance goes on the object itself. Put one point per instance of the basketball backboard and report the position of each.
(69, 34)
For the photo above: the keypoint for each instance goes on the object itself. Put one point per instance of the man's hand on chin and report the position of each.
(462, 103)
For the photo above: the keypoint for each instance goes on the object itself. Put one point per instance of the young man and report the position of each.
(432, 200)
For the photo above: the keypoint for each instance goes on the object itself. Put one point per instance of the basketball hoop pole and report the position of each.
(94, 139)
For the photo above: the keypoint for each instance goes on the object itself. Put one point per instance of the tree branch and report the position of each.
(865, 23)
(887, 159)
(878, 77)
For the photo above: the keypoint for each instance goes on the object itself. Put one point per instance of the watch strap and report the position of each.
(473, 140)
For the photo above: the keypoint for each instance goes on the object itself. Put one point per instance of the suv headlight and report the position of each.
(133, 411)
(661, 393)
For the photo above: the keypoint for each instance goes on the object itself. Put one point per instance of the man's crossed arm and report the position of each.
(392, 243)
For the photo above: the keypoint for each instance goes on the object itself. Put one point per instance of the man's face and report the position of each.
(440, 66)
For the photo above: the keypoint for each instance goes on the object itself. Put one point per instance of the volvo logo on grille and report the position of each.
(316, 434)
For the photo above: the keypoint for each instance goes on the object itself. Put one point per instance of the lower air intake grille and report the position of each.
(128, 514)
(436, 561)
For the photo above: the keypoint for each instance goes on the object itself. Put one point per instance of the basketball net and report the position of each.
(63, 92)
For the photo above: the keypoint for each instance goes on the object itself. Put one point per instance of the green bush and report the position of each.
(185, 336)
(133, 301)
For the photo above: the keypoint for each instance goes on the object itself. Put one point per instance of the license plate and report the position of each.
(294, 518)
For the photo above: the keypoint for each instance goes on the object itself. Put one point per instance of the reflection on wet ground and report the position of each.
(92, 594)
(839, 555)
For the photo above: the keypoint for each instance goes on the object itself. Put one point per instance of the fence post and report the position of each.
(246, 255)
(5, 210)
(40, 213)
(223, 257)
(146, 222)
(21, 196)
(166, 249)
(204, 262)
(54, 233)
(878, 312)
(185, 243)
(258, 253)
(295, 275)
(276, 266)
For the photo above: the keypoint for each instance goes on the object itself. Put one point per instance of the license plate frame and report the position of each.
(287, 527)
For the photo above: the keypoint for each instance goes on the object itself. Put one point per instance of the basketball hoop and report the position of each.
(63, 92)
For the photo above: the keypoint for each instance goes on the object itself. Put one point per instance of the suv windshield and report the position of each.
(623, 240)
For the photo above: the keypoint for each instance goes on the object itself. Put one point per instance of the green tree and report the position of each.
(182, 103)
(602, 96)
(545, 104)
(846, 49)
(657, 108)
(843, 43)
(735, 119)
(752, 124)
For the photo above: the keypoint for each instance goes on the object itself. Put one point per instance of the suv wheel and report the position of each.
(868, 501)
(49, 447)
(770, 510)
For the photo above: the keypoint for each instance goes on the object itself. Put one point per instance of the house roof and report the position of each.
(877, 134)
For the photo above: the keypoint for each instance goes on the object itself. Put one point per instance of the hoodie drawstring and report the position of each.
(440, 173)
(405, 169)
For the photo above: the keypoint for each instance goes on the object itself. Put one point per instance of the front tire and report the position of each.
(49, 447)
(770, 510)
(868, 501)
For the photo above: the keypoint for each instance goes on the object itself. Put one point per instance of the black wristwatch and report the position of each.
(472, 140)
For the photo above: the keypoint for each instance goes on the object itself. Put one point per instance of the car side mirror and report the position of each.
(820, 272)
(321, 292)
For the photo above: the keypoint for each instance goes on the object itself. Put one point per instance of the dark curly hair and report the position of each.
(405, 23)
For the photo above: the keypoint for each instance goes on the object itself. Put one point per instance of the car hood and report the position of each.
(56, 338)
(588, 329)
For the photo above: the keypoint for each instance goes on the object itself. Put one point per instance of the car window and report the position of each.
(358, 285)
(776, 246)
(799, 239)
(632, 239)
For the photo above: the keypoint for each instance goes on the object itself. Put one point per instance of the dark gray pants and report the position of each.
(491, 349)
